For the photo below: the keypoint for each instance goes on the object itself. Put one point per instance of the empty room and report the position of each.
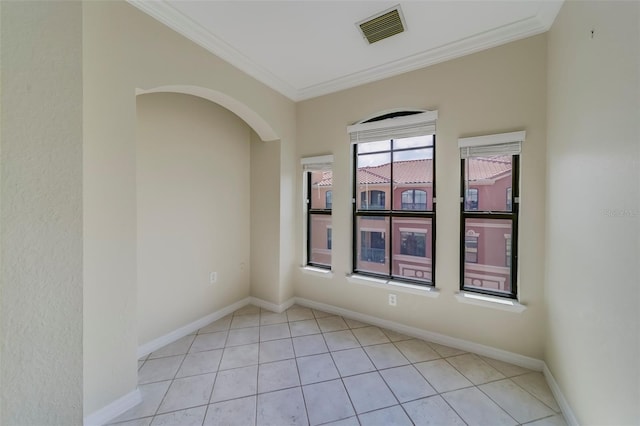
(319, 213)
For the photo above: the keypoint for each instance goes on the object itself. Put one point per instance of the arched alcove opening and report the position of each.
(253, 119)
(193, 209)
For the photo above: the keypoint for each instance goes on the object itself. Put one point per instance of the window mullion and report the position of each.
(391, 209)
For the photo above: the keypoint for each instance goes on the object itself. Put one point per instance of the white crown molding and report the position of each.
(168, 15)
(516, 31)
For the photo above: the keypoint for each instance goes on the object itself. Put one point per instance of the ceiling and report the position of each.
(308, 48)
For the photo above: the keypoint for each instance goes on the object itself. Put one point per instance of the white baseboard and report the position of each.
(155, 344)
(272, 306)
(499, 354)
(113, 410)
(124, 403)
(567, 412)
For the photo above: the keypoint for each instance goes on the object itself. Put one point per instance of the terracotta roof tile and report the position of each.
(420, 171)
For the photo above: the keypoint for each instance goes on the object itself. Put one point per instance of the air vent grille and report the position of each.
(382, 26)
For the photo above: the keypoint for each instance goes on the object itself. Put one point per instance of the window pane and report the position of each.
(413, 179)
(471, 199)
(486, 180)
(412, 249)
(488, 268)
(372, 244)
(374, 146)
(374, 176)
(418, 141)
(321, 182)
(320, 239)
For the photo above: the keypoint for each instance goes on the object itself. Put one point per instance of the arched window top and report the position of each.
(394, 124)
(392, 113)
(414, 199)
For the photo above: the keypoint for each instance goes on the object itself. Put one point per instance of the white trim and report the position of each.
(319, 159)
(516, 31)
(465, 345)
(488, 225)
(408, 120)
(176, 20)
(488, 268)
(471, 233)
(270, 306)
(567, 412)
(490, 302)
(393, 285)
(109, 412)
(497, 139)
(318, 272)
(421, 231)
(155, 344)
(414, 259)
(169, 16)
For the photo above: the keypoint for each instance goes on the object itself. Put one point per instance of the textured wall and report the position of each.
(41, 215)
(265, 218)
(497, 90)
(593, 211)
(193, 197)
(139, 52)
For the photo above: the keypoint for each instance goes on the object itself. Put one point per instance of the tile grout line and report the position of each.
(331, 352)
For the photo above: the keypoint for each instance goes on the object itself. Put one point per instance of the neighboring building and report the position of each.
(487, 248)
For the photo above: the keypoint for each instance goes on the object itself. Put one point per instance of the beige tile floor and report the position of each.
(304, 366)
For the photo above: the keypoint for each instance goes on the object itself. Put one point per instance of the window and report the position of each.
(394, 196)
(318, 179)
(373, 246)
(471, 249)
(472, 199)
(372, 200)
(507, 250)
(413, 243)
(414, 199)
(488, 264)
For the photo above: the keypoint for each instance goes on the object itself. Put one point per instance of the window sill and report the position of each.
(319, 272)
(393, 285)
(490, 302)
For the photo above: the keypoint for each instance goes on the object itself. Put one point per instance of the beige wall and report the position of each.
(593, 210)
(265, 218)
(498, 90)
(41, 216)
(192, 170)
(139, 52)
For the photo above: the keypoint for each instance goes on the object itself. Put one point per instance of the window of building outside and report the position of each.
(414, 199)
(489, 223)
(471, 249)
(318, 179)
(472, 199)
(394, 197)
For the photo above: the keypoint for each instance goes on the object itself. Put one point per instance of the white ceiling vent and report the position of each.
(383, 25)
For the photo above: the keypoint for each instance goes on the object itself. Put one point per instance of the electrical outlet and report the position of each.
(393, 301)
(213, 277)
